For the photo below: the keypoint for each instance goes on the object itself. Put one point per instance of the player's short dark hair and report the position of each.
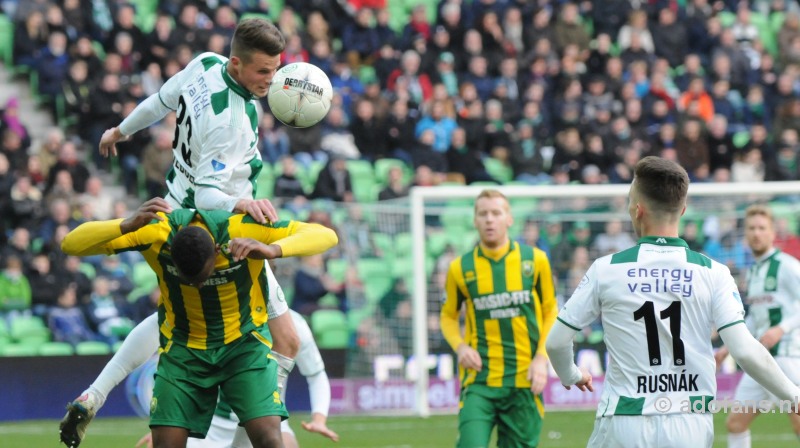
(256, 35)
(663, 183)
(192, 246)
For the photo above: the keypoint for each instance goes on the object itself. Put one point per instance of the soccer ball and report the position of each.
(300, 95)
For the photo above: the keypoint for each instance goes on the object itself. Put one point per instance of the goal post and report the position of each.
(720, 200)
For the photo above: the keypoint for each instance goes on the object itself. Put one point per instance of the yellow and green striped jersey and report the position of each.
(510, 307)
(231, 302)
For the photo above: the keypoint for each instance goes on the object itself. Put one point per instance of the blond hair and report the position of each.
(491, 194)
(759, 210)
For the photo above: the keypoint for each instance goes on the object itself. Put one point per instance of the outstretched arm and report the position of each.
(145, 114)
(559, 349)
(319, 388)
(295, 239)
(92, 238)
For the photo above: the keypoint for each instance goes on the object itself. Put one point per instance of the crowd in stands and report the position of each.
(426, 93)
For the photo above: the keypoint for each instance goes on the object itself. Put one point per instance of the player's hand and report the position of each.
(771, 337)
(146, 213)
(469, 358)
(241, 248)
(585, 383)
(259, 209)
(146, 441)
(318, 424)
(720, 356)
(109, 140)
(537, 374)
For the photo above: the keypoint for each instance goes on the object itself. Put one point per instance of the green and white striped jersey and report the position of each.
(658, 302)
(216, 138)
(773, 296)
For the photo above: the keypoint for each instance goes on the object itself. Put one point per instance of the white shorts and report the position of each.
(220, 434)
(286, 428)
(749, 391)
(653, 431)
(276, 302)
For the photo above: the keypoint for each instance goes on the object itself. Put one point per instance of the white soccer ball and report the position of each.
(300, 95)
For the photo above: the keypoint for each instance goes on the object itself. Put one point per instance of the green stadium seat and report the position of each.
(741, 138)
(265, 184)
(275, 8)
(30, 329)
(144, 281)
(435, 243)
(368, 268)
(367, 75)
(498, 170)
(330, 328)
(383, 166)
(143, 275)
(6, 41)
(362, 177)
(402, 244)
(329, 301)
(337, 268)
(456, 219)
(384, 243)
(355, 317)
(88, 270)
(404, 268)
(92, 348)
(776, 20)
(255, 15)
(726, 18)
(377, 287)
(360, 168)
(56, 349)
(21, 349)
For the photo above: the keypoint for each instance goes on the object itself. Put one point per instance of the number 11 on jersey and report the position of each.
(673, 312)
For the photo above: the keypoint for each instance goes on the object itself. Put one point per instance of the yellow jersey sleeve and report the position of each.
(105, 237)
(296, 239)
(547, 296)
(451, 308)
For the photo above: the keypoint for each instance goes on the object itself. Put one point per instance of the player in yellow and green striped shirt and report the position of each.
(507, 291)
(211, 313)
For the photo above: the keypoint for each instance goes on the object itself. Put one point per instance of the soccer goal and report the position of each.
(577, 223)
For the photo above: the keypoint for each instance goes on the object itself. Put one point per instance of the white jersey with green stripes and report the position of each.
(658, 302)
(773, 295)
(216, 138)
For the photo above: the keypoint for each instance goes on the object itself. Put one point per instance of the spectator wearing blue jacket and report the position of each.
(442, 126)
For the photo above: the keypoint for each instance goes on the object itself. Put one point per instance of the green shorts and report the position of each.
(517, 412)
(188, 382)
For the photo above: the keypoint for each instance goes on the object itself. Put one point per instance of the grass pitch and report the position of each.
(561, 429)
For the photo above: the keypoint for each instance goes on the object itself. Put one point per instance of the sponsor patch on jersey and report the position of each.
(527, 268)
(737, 296)
(217, 165)
(281, 298)
(469, 276)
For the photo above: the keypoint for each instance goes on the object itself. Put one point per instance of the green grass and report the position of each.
(562, 429)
